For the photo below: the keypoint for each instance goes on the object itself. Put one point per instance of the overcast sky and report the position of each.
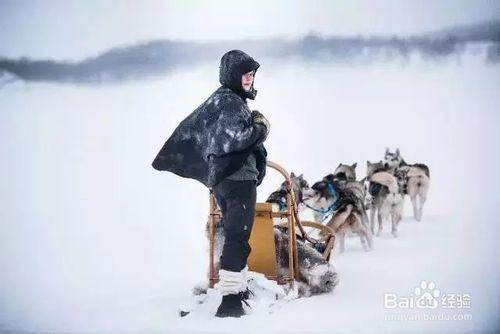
(74, 29)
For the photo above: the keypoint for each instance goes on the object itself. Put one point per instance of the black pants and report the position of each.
(236, 200)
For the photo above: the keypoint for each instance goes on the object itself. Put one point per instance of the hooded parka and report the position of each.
(214, 140)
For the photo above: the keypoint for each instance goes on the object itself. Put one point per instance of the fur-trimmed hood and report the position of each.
(233, 65)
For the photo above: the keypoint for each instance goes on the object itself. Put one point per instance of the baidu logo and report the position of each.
(426, 296)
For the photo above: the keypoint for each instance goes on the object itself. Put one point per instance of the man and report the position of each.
(220, 144)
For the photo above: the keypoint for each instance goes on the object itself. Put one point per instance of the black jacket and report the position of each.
(213, 141)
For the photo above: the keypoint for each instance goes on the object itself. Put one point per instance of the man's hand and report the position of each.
(258, 118)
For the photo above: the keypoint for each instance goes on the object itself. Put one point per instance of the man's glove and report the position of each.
(261, 162)
(258, 118)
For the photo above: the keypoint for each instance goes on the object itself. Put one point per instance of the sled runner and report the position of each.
(263, 258)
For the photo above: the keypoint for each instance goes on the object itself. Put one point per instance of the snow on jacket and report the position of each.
(215, 139)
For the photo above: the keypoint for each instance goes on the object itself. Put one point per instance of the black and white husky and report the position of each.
(345, 175)
(414, 178)
(299, 186)
(343, 203)
(346, 172)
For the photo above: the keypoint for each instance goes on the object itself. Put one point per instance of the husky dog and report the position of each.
(316, 275)
(393, 161)
(371, 188)
(355, 190)
(387, 197)
(345, 201)
(345, 172)
(414, 178)
(299, 186)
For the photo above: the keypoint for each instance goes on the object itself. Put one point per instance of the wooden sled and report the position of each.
(263, 257)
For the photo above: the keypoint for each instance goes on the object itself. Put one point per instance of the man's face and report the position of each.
(247, 80)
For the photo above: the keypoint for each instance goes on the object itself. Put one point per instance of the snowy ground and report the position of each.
(92, 239)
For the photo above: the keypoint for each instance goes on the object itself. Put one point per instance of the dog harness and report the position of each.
(282, 205)
(329, 211)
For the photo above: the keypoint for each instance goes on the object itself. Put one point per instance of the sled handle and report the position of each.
(293, 257)
(294, 209)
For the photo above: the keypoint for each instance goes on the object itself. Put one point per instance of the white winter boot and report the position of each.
(231, 285)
